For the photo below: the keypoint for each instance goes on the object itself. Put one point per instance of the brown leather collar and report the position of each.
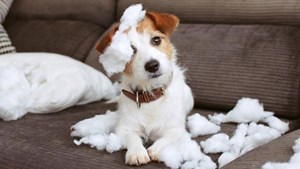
(141, 96)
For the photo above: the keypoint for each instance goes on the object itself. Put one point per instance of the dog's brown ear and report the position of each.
(107, 37)
(166, 23)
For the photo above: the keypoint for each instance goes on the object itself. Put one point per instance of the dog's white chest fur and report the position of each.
(160, 118)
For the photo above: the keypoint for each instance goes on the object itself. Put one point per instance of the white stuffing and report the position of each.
(217, 118)
(226, 158)
(97, 140)
(236, 143)
(259, 138)
(270, 165)
(246, 137)
(295, 158)
(185, 153)
(97, 132)
(216, 143)
(199, 125)
(131, 17)
(296, 147)
(114, 143)
(238, 139)
(254, 128)
(277, 124)
(100, 124)
(294, 162)
(47, 82)
(119, 52)
(117, 55)
(246, 110)
(14, 92)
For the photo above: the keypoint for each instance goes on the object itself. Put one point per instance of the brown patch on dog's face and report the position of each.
(165, 23)
(128, 68)
(159, 26)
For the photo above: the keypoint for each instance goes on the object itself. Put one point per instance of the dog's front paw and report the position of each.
(153, 153)
(137, 157)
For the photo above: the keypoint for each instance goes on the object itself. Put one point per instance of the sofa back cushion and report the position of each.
(235, 49)
(217, 11)
(100, 12)
(68, 27)
(228, 62)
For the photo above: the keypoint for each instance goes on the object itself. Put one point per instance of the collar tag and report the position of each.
(137, 99)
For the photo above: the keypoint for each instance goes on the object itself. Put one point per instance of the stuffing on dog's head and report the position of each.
(147, 53)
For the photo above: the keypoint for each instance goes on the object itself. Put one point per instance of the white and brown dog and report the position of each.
(155, 98)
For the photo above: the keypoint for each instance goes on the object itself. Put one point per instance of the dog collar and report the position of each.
(141, 96)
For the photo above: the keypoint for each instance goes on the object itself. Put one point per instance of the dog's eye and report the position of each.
(155, 41)
(134, 49)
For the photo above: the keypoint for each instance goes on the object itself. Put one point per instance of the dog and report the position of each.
(155, 98)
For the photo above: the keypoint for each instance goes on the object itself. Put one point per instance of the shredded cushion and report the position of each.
(46, 82)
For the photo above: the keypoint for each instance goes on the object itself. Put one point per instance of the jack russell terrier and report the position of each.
(155, 98)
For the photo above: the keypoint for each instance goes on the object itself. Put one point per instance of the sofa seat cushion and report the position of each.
(67, 37)
(100, 12)
(228, 62)
(44, 141)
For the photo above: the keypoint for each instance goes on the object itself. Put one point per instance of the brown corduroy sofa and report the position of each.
(231, 49)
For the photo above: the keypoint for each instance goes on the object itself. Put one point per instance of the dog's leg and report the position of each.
(167, 139)
(136, 153)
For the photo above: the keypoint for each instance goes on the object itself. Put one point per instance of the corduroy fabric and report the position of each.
(218, 11)
(228, 62)
(101, 12)
(68, 37)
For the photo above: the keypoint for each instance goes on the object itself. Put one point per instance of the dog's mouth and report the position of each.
(155, 75)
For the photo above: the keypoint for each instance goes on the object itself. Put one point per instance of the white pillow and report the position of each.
(46, 82)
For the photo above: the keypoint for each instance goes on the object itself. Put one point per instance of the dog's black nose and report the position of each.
(152, 66)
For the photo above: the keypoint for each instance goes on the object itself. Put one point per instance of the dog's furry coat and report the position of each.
(161, 121)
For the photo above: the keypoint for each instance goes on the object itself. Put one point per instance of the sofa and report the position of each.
(231, 49)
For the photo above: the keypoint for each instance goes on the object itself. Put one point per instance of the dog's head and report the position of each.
(152, 63)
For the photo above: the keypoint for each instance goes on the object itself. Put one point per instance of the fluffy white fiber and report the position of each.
(216, 143)
(296, 147)
(199, 125)
(46, 82)
(119, 52)
(235, 143)
(100, 124)
(186, 154)
(246, 137)
(14, 92)
(294, 162)
(259, 136)
(98, 132)
(246, 110)
(277, 124)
